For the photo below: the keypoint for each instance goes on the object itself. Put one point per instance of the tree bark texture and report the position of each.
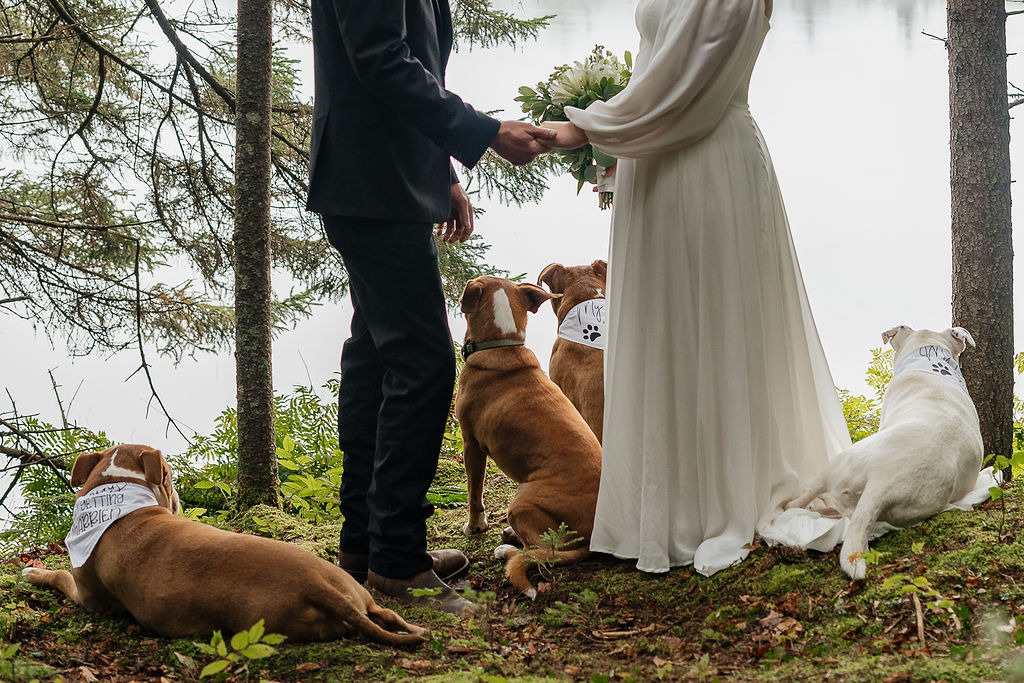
(981, 224)
(257, 460)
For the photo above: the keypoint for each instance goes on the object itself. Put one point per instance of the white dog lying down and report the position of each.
(927, 451)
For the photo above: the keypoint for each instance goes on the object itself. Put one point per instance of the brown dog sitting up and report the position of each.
(131, 551)
(577, 357)
(510, 410)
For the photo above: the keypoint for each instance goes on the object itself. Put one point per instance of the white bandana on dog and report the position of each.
(585, 324)
(97, 510)
(935, 360)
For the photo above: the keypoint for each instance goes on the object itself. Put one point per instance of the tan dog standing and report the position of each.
(183, 578)
(577, 357)
(510, 410)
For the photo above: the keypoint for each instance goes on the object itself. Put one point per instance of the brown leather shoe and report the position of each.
(355, 565)
(448, 563)
(442, 597)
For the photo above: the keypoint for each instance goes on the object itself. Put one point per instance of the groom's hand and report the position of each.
(520, 142)
(459, 225)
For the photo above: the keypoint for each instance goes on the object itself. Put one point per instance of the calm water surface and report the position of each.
(852, 99)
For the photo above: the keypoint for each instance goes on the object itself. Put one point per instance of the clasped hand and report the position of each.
(521, 142)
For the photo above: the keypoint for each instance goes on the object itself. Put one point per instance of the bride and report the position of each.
(719, 400)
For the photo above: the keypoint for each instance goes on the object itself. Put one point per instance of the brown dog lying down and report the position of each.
(182, 578)
(510, 410)
(577, 357)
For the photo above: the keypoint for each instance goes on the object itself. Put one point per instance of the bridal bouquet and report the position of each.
(599, 77)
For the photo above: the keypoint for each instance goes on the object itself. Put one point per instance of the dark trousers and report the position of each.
(397, 376)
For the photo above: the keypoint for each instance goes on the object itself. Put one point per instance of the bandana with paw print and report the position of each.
(585, 324)
(935, 360)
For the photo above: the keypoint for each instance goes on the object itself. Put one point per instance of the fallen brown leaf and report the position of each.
(185, 660)
(83, 674)
(415, 665)
(306, 667)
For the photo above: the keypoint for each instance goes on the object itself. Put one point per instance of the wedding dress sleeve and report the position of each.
(691, 61)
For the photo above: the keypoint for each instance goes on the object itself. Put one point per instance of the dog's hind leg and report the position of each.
(60, 579)
(871, 504)
(393, 622)
(530, 522)
(815, 488)
(346, 612)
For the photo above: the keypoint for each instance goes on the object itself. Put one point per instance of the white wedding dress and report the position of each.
(719, 400)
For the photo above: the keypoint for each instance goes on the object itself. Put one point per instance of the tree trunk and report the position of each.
(257, 460)
(980, 181)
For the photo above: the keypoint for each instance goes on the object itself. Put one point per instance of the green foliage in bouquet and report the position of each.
(598, 78)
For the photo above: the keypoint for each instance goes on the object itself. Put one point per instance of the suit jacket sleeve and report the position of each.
(374, 36)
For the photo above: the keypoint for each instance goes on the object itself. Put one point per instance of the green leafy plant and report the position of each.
(309, 461)
(582, 607)
(7, 653)
(863, 413)
(246, 646)
(47, 501)
(1000, 463)
(921, 587)
(562, 538)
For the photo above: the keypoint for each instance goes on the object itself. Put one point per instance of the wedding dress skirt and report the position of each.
(719, 401)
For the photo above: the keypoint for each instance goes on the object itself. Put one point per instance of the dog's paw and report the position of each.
(504, 551)
(32, 572)
(469, 529)
(531, 593)
(509, 536)
(857, 569)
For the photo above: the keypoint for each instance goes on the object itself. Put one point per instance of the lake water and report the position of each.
(852, 99)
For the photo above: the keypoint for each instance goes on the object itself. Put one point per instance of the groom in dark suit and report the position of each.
(384, 131)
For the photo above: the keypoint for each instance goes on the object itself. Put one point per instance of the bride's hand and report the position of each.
(567, 135)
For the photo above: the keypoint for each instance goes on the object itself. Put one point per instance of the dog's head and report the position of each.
(496, 308)
(130, 463)
(574, 284)
(955, 339)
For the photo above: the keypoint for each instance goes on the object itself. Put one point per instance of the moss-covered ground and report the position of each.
(943, 603)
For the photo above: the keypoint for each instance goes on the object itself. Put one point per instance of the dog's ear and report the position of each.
(152, 465)
(896, 336)
(600, 267)
(535, 296)
(553, 276)
(469, 302)
(960, 339)
(83, 467)
(890, 334)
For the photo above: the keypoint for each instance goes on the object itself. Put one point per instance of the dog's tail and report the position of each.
(851, 556)
(519, 562)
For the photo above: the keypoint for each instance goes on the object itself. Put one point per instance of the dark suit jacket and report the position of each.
(384, 126)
